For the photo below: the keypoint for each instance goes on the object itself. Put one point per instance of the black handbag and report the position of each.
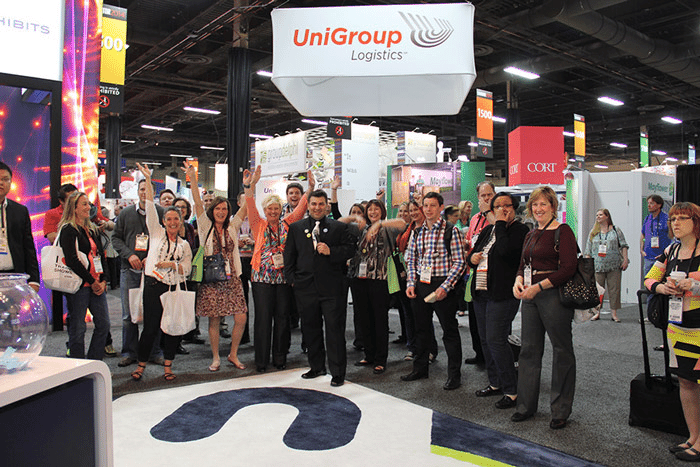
(213, 266)
(657, 310)
(580, 291)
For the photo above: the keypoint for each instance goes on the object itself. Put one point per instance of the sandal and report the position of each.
(461, 313)
(679, 447)
(238, 365)
(137, 374)
(595, 317)
(379, 369)
(215, 366)
(687, 456)
(169, 375)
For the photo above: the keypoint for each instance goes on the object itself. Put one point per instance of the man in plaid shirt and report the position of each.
(433, 272)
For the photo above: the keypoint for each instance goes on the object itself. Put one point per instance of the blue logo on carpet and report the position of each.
(204, 416)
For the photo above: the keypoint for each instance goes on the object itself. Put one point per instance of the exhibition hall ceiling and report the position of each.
(645, 53)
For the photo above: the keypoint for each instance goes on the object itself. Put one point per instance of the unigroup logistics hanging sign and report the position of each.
(374, 60)
(643, 150)
(579, 135)
(484, 123)
(113, 59)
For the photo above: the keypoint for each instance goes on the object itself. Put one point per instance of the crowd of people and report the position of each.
(303, 256)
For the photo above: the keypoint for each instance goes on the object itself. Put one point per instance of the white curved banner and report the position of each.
(374, 60)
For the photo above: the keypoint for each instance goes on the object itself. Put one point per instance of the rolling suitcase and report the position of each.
(655, 400)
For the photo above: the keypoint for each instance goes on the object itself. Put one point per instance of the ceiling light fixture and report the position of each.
(488, 174)
(522, 73)
(265, 73)
(314, 122)
(572, 160)
(498, 119)
(181, 155)
(213, 148)
(600, 166)
(658, 153)
(570, 134)
(672, 120)
(672, 159)
(473, 144)
(618, 145)
(610, 101)
(128, 141)
(202, 111)
(157, 128)
(253, 135)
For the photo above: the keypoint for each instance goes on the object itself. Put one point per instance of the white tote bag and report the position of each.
(136, 303)
(54, 271)
(178, 312)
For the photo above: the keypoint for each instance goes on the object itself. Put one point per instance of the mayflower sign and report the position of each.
(374, 60)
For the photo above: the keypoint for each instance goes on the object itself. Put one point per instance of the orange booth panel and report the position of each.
(536, 155)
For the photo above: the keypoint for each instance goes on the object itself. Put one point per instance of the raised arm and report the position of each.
(191, 172)
(150, 195)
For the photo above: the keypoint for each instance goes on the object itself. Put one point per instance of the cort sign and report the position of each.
(374, 60)
(536, 155)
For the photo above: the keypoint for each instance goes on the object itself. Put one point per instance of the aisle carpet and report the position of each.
(265, 420)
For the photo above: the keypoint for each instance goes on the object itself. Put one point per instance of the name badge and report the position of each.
(527, 275)
(228, 268)
(425, 272)
(654, 242)
(362, 270)
(278, 261)
(158, 275)
(603, 250)
(141, 242)
(675, 310)
(97, 262)
(4, 249)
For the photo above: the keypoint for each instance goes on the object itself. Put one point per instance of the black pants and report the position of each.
(245, 280)
(474, 332)
(371, 302)
(271, 326)
(315, 312)
(445, 310)
(152, 315)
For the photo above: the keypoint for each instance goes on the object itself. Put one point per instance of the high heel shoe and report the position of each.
(238, 365)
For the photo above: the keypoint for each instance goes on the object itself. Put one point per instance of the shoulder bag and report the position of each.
(213, 266)
(657, 307)
(579, 292)
(54, 271)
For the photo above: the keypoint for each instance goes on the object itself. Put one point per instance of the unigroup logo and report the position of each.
(426, 34)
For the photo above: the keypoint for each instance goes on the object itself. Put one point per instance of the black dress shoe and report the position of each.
(474, 361)
(488, 391)
(337, 381)
(281, 366)
(194, 340)
(520, 417)
(261, 369)
(557, 423)
(451, 383)
(399, 340)
(224, 333)
(181, 350)
(311, 374)
(506, 403)
(413, 376)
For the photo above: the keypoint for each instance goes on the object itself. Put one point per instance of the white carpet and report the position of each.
(390, 431)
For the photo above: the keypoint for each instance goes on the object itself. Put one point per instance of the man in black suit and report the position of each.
(316, 249)
(17, 249)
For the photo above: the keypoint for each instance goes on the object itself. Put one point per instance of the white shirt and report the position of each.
(162, 249)
(6, 263)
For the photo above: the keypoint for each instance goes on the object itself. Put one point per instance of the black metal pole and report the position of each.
(238, 118)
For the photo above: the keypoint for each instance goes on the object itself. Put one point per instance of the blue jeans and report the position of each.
(129, 279)
(494, 319)
(78, 303)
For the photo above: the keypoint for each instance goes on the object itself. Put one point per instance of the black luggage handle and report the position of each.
(647, 368)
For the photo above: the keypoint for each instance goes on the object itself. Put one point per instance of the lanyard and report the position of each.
(4, 219)
(690, 260)
(425, 232)
(532, 248)
(276, 237)
(654, 222)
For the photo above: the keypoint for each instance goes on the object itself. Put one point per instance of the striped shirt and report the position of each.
(427, 248)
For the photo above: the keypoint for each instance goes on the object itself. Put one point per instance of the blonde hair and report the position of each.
(271, 199)
(69, 214)
(596, 227)
(548, 194)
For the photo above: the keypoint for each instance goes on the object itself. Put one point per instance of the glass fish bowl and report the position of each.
(24, 323)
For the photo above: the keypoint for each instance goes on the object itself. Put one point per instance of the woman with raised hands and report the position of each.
(273, 296)
(167, 264)
(218, 232)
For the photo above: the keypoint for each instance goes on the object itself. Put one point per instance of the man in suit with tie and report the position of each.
(316, 249)
(17, 249)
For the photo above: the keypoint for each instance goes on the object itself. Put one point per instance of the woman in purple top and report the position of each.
(545, 265)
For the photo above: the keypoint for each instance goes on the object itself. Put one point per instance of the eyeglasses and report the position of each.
(680, 218)
(503, 206)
